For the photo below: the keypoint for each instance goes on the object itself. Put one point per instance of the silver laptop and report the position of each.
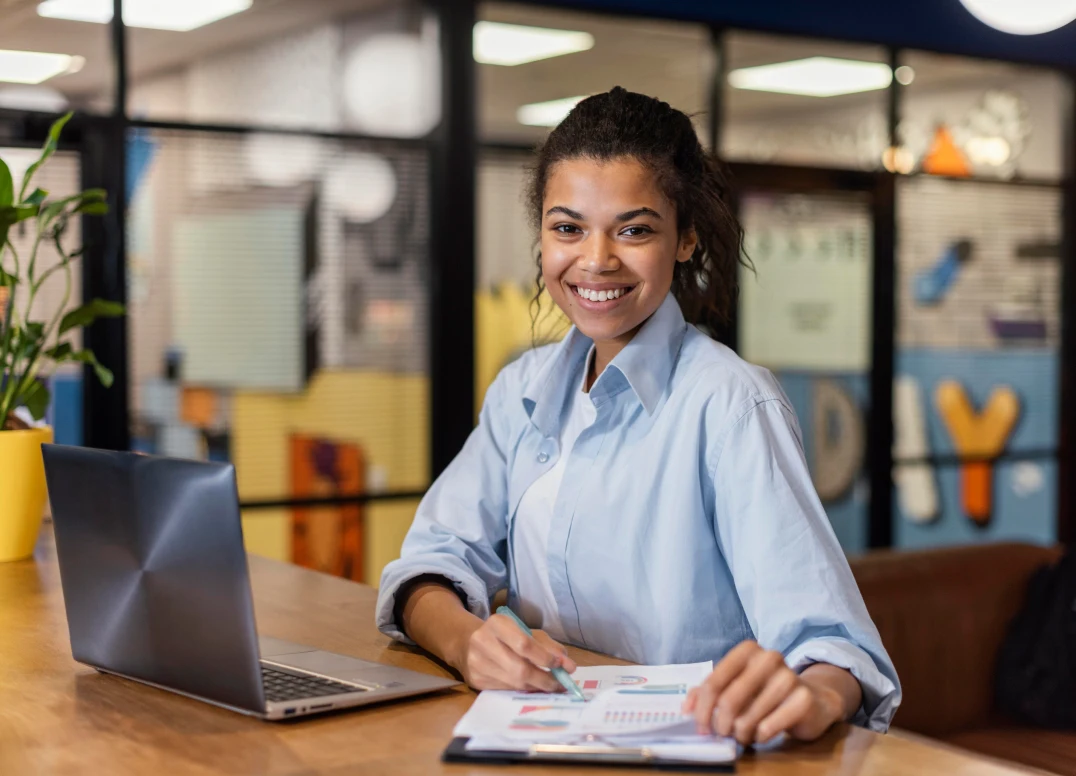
(156, 588)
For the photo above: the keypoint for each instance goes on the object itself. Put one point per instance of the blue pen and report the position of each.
(558, 673)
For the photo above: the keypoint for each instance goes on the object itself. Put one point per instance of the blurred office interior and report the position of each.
(326, 257)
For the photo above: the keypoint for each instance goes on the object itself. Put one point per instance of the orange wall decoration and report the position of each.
(328, 538)
(944, 157)
(981, 435)
(198, 407)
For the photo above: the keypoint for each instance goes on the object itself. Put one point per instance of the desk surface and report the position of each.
(57, 716)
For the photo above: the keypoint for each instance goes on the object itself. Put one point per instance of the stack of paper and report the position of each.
(627, 706)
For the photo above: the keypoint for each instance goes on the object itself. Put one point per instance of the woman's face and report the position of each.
(609, 244)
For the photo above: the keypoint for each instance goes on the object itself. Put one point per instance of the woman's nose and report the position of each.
(599, 254)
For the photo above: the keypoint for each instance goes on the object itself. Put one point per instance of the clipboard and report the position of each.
(578, 754)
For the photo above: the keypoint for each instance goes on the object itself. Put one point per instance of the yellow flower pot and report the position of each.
(22, 491)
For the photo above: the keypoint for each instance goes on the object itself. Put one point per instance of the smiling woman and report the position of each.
(636, 473)
(631, 214)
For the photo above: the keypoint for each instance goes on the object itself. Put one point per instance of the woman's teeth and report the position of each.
(600, 296)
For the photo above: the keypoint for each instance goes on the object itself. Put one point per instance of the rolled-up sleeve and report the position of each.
(460, 528)
(792, 577)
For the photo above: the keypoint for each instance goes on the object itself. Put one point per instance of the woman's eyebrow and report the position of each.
(566, 211)
(642, 211)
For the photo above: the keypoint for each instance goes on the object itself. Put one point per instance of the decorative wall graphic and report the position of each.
(808, 305)
(1005, 294)
(391, 83)
(915, 483)
(932, 284)
(944, 157)
(361, 187)
(839, 440)
(997, 131)
(328, 539)
(1019, 318)
(980, 435)
(384, 244)
(282, 160)
(237, 280)
(1027, 479)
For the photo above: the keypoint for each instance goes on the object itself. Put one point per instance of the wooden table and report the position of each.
(57, 716)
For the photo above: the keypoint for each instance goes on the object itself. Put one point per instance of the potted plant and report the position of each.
(30, 350)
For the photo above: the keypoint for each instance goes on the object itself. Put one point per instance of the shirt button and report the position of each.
(543, 457)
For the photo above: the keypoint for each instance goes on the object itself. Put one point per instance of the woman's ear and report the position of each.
(689, 240)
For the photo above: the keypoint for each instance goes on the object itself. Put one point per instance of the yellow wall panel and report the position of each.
(386, 414)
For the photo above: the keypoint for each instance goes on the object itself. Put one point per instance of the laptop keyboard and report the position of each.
(282, 686)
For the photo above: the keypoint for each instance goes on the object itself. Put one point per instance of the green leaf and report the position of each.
(37, 197)
(29, 338)
(104, 374)
(12, 215)
(46, 151)
(60, 353)
(88, 313)
(93, 208)
(7, 186)
(36, 399)
(7, 280)
(87, 197)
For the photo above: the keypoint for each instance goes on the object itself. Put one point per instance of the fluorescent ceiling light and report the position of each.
(178, 15)
(514, 44)
(814, 77)
(33, 67)
(546, 114)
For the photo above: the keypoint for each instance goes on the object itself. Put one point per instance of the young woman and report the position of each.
(638, 488)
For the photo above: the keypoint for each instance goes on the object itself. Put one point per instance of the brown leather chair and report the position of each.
(942, 615)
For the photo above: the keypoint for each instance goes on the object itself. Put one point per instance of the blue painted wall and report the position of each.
(1017, 513)
(65, 415)
(935, 25)
(848, 515)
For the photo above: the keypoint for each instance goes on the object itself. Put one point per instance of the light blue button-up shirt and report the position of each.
(686, 521)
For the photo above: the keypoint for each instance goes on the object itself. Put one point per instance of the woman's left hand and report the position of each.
(753, 695)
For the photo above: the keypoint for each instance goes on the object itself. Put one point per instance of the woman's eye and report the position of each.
(636, 231)
(566, 228)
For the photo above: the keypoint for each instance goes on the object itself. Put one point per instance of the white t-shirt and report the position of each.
(530, 534)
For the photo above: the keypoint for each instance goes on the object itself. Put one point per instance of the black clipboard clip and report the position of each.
(595, 746)
(588, 750)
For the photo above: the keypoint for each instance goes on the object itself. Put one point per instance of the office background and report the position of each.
(321, 239)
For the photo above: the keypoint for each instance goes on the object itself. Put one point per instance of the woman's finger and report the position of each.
(792, 711)
(726, 670)
(732, 665)
(705, 702)
(739, 694)
(523, 645)
(557, 648)
(518, 672)
(780, 685)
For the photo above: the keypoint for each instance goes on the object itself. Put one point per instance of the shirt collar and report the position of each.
(644, 365)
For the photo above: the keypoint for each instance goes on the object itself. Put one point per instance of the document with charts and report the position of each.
(636, 706)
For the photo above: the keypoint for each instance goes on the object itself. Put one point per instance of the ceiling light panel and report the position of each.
(33, 67)
(546, 114)
(177, 15)
(513, 44)
(814, 77)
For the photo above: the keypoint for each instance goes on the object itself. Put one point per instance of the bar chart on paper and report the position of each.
(618, 703)
(625, 711)
(630, 719)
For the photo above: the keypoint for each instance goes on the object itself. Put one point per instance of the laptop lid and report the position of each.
(154, 572)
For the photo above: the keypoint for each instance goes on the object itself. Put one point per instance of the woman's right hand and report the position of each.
(499, 656)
